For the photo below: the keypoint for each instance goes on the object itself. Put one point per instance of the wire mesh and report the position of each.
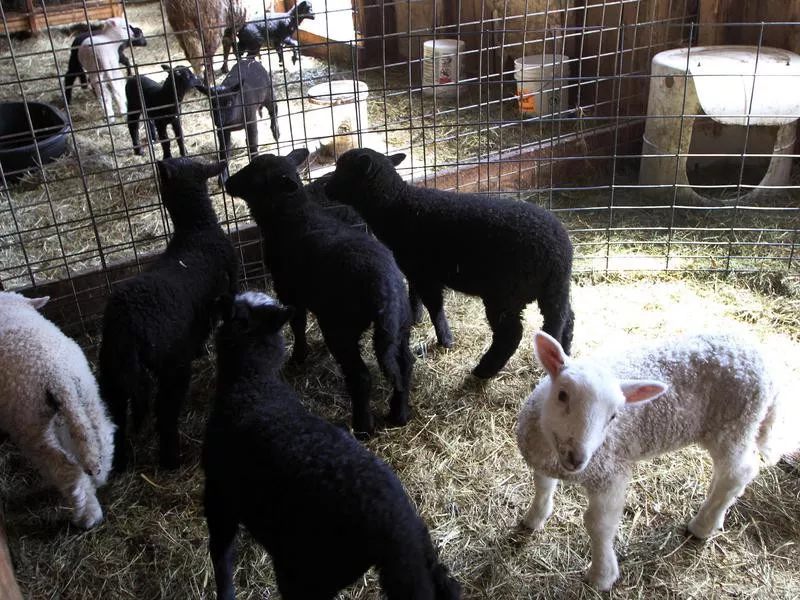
(74, 226)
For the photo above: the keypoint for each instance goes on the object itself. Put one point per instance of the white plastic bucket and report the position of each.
(541, 84)
(442, 67)
(336, 113)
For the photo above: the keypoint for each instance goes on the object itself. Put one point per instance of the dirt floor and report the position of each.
(460, 464)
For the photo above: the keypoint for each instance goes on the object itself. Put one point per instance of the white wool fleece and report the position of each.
(50, 405)
(590, 420)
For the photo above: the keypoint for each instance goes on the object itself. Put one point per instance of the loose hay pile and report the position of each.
(459, 461)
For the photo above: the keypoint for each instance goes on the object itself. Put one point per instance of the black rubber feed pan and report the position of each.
(18, 145)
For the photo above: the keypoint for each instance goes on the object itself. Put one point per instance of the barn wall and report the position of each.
(714, 14)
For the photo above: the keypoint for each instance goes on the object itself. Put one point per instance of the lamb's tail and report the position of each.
(90, 432)
(779, 433)
(122, 378)
(392, 329)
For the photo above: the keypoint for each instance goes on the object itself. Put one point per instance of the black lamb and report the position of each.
(346, 278)
(507, 252)
(156, 323)
(162, 106)
(275, 30)
(75, 69)
(324, 507)
(247, 88)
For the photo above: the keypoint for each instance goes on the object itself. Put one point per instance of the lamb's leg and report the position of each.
(343, 344)
(602, 521)
(133, 128)
(251, 131)
(289, 41)
(272, 108)
(732, 472)
(298, 325)
(557, 313)
(163, 136)
(432, 298)
(416, 305)
(173, 384)
(506, 324)
(222, 530)
(399, 410)
(177, 129)
(542, 505)
(69, 81)
(75, 486)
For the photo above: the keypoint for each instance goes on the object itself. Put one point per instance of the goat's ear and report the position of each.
(298, 156)
(38, 303)
(213, 169)
(396, 159)
(549, 353)
(167, 68)
(642, 391)
(286, 185)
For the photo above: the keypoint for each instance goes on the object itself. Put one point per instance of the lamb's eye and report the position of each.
(563, 396)
(614, 416)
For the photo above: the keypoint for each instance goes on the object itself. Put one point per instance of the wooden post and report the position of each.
(9, 589)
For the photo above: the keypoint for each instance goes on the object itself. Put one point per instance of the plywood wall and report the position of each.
(714, 14)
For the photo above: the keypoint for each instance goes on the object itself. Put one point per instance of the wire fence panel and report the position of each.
(657, 153)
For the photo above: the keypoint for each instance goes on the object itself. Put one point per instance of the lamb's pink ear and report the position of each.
(549, 353)
(38, 303)
(641, 390)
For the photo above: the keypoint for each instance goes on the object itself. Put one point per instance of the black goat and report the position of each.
(234, 102)
(75, 70)
(274, 30)
(324, 507)
(162, 106)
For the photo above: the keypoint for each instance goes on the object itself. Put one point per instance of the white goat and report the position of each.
(99, 57)
(50, 407)
(589, 421)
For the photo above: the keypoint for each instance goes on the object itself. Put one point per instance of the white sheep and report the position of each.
(50, 406)
(589, 421)
(99, 57)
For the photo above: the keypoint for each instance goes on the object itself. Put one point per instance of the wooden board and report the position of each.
(778, 18)
(9, 589)
(76, 12)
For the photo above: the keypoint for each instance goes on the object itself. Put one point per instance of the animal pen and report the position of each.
(662, 133)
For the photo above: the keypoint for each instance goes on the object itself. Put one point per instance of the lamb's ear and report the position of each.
(298, 156)
(38, 303)
(365, 164)
(229, 90)
(223, 307)
(641, 390)
(167, 68)
(549, 353)
(165, 170)
(203, 89)
(213, 169)
(396, 159)
(286, 185)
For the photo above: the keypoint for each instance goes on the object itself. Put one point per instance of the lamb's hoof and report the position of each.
(445, 341)
(533, 524)
(484, 372)
(701, 531)
(170, 460)
(602, 578)
(398, 419)
(90, 516)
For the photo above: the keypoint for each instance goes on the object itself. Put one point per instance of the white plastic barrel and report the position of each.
(442, 67)
(541, 84)
(336, 113)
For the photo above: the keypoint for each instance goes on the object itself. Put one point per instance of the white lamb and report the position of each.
(99, 57)
(589, 421)
(50, 406)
